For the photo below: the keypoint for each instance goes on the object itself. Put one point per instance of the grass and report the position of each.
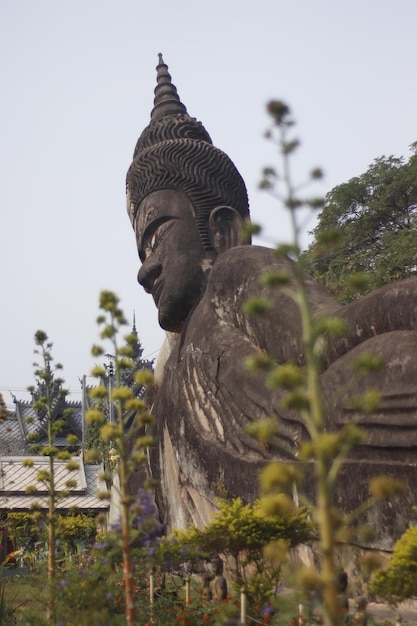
(25, 594)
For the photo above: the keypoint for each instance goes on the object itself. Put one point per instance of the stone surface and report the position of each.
(188, 205)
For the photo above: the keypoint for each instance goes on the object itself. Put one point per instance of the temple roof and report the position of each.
(12, 439)
(16, 477)
(26, 420)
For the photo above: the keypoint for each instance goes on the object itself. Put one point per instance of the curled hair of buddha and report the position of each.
(176, 152)
(201, 171)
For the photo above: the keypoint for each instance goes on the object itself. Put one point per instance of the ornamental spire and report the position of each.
(166, 100)
(137, 349)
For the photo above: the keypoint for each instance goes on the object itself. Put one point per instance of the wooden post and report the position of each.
(242, 606)
(300, 614)
(151, 596)
(151, 589)
(187, 590)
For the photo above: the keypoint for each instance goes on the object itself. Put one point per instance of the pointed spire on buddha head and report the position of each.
(166, 102)
(169, 118)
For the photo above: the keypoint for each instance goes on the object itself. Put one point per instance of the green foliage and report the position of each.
(324, 450)
(72, 531)
(263, 430)
(381, 487)
(275, 279)
(7, 617)
(399, 580)
(242, 533)
(287, 376)
(239, 527)
(256, 306)
(366, 232)
(48, 400)
(276, 476)
(123, 397)
(113, 429)
(243, 527)
(20, 527)
(90, 593)
(75, 530)
(368, 362)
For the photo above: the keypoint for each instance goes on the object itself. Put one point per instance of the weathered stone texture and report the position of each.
(188, 204)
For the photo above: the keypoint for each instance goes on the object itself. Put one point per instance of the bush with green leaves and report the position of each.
(253, 543)
(73, 531)
(399, 580)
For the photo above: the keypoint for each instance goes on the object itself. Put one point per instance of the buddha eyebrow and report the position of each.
(154, 225)
(150, 230)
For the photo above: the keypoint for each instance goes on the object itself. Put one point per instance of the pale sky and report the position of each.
(77, 90)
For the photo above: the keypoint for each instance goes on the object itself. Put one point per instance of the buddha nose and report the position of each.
(148, 274)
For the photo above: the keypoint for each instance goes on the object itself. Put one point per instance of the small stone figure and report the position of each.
(342, 584)
(219, 583)
(206, 586)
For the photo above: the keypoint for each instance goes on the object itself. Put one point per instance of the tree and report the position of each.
(127, 408)
(325, 451)
(368, 225)
(96, 449)
(46, 401)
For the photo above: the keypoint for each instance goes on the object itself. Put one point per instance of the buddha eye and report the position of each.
(151, 244)
(153, 239)
(159, 234)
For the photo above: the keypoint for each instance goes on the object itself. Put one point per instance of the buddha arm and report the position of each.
(392, 307)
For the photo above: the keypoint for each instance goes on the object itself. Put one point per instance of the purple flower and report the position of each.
(267, 610)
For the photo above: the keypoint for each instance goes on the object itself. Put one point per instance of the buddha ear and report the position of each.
(225, 228)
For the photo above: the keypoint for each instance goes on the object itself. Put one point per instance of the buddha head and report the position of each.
(186, 201)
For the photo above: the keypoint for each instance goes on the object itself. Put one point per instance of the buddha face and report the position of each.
(174, 263)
